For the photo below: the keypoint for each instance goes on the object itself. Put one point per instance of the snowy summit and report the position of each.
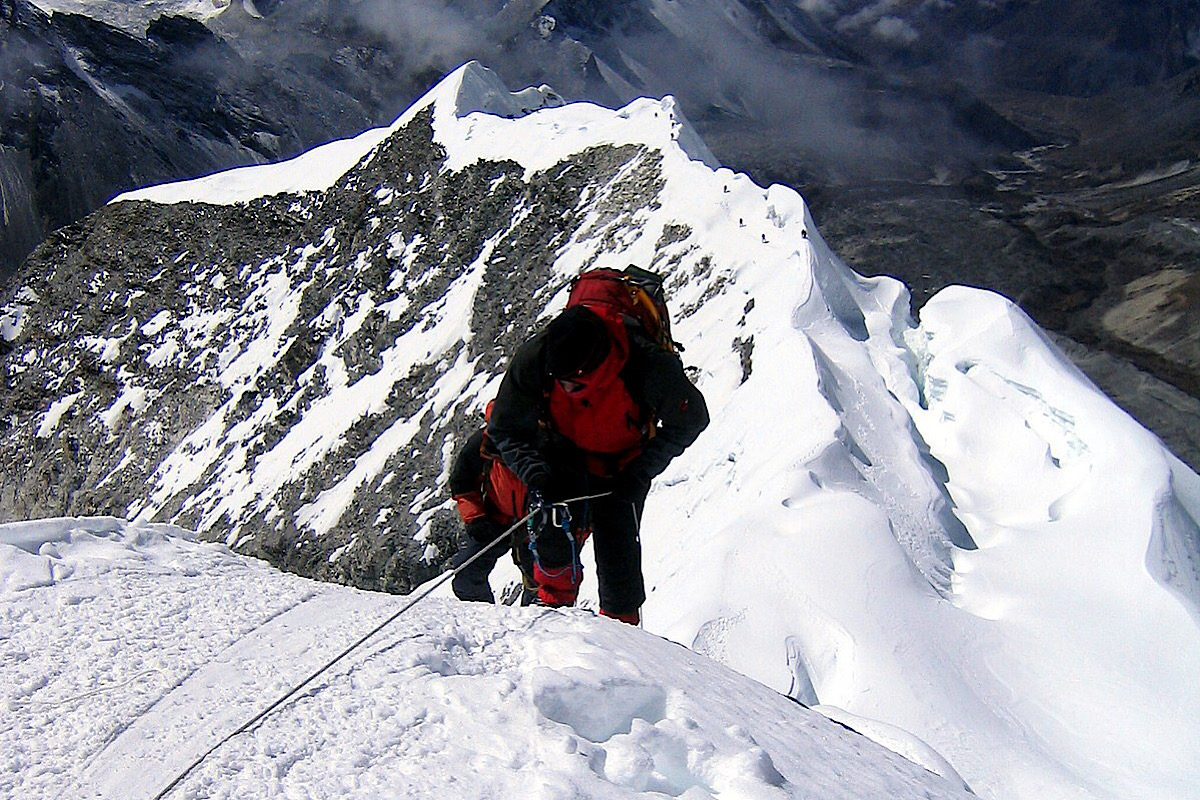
(940, 535)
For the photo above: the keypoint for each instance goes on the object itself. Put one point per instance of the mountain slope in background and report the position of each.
(87, 110)
(943, 528)
(1081, 50)
(1044, 153)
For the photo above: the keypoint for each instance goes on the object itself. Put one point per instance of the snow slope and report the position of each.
(128, 651)
(940, 532)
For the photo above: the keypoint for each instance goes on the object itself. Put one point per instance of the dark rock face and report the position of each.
(173, 360)
(88, 111)
(1079, 49)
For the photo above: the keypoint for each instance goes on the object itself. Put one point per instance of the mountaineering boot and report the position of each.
(632, 617)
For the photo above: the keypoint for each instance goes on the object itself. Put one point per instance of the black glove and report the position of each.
(537, 480)
(555, 485)
(483, 530)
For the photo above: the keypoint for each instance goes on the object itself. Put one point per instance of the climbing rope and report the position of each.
(412, 602)
(75, 698)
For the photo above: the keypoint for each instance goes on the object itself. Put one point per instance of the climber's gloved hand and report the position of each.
(552, 486)
(483, 530)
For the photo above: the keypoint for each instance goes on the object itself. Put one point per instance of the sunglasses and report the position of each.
(571, 386)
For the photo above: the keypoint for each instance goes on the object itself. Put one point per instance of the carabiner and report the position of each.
(560, 516)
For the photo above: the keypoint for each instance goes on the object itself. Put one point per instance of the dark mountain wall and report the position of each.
(1089, 48)
(1076, 49)
(88, 111)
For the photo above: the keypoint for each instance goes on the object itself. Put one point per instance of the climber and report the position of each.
(592, 405)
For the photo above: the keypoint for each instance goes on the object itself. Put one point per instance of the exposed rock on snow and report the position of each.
(315, 339)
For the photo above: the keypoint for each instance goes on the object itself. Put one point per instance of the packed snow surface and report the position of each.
(477, 117)
(939, 532)
(129, 651)
(314, 170)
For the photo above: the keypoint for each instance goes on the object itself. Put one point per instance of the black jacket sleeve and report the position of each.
(677, 405)
(513, 427)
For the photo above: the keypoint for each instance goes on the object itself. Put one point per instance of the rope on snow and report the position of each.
(412, 602)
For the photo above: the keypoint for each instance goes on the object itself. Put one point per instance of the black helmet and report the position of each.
(576, 343)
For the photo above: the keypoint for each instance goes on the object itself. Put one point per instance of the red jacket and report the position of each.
(637, 412)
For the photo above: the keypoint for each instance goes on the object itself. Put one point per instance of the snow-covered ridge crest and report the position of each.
(878, 508)
(467, 105)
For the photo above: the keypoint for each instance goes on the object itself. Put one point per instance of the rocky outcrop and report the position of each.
(162, 354)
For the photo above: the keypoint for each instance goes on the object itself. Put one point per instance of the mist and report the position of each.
(756, 98)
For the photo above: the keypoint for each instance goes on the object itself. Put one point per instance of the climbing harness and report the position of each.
(556, 515)
(412, 602)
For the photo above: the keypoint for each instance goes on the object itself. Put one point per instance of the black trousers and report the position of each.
(615, 524)
(472, 582)
(617, 544)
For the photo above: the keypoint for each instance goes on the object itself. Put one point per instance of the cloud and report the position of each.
(868, 15)
(425, 33)
(894, 30)
(818, 8)
(761, 105)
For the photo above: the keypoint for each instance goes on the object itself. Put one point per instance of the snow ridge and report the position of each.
(453, 697)
(939, 528)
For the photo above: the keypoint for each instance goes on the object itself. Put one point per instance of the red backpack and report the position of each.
(633, 292)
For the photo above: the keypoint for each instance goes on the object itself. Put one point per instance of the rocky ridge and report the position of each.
(165, 298)
(290, 373)
(139, 303)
